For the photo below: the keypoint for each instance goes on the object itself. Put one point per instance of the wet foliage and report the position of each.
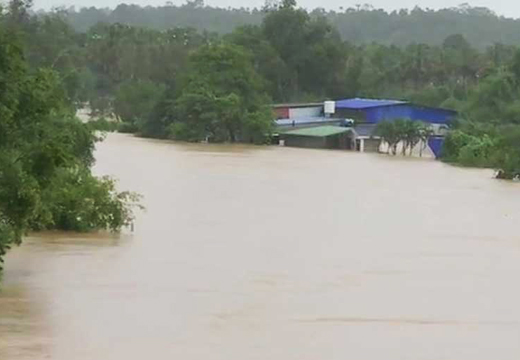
(45, 152)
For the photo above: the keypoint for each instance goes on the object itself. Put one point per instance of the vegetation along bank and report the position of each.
(46, 154)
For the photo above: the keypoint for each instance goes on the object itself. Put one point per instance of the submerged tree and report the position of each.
(406, 132)
(222, 98)
(45, 157)
(389, 134)
(425, 133)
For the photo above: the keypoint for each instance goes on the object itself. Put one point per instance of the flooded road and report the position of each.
(276, 253)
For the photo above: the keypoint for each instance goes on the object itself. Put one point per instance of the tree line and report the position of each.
(46, 153)
(361, 24)
(408, 133)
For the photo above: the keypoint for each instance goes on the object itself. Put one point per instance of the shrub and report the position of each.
(477, 152)
(102, 124)
(127, 128)
(78, 201)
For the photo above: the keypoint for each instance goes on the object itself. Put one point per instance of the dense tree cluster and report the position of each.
(221, 98)
(362, 24)
(406, 132)
(45, 152)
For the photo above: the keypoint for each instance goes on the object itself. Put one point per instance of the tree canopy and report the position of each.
(222, 98)
(362, 24)
(45, 152)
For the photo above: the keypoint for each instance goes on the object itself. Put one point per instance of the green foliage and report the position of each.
(311, 51)
(488, 102)
(266, 59)
(507, 155)
(389, 133)
(188, 83)
(434, 96)
(412, 134)
(257, 126)
(137, 73)
(406, 132)
(127, 128)
(453, 143)
(104, 125)
(477, 152)
(222, 98)
(134, 102)
(45, 152)
(360, 24)
(78, 201)
(477, 147)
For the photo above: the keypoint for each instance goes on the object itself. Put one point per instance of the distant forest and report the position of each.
(361, 25)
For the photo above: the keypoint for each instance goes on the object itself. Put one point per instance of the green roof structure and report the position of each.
(320, 131)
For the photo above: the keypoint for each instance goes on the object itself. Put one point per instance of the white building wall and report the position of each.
(416, 152)
(305, 112)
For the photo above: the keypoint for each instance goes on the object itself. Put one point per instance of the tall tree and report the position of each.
(222, 98)
(44, 150)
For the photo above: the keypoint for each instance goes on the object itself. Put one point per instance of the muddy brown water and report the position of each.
(276, 253)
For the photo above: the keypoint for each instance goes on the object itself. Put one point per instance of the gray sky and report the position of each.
(509, 8)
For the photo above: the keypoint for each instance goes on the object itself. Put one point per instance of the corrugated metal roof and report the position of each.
(320, 131)
(360, 104)
(304, 120)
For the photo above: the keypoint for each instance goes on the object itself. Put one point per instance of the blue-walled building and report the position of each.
(370, 111)
(364, 114)
(375, 111)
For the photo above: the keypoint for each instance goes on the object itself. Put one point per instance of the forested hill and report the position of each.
(361, 25)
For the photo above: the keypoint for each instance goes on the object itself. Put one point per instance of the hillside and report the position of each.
(362, 25)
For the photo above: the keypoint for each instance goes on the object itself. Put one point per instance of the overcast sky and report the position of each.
(509, 8)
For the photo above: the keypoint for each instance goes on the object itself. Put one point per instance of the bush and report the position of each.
(183, 132)
(507, 156)
(453, 144)
(103, 124)
(78, 201)
(257, 128)
(127, 128)
(478, 152)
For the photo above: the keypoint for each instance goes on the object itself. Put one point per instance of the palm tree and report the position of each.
(411, 135)
(387, 130)
(425, 132)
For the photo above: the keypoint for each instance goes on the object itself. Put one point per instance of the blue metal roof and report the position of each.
(359, 104)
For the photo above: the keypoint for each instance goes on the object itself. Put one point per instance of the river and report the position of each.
(276, 253)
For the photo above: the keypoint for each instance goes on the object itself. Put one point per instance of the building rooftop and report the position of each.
(320, 131)
(360, 104)
(304, 120)
(296, 105)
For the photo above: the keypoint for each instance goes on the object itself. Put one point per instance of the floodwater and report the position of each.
(276, 253)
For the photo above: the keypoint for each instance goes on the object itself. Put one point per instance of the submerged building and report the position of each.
(374, 111)
(324, 137)
(362, 117)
